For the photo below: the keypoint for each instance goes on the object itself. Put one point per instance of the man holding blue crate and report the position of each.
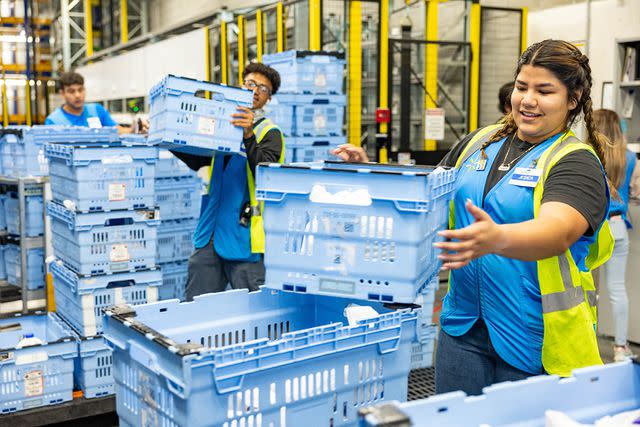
(75, 112)
(229, 240)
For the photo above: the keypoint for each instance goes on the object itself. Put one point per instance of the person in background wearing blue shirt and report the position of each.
(622, 172)
(75, 112)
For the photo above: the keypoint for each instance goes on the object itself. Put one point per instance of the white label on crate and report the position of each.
(36, 357)
(206, 125)
(117, 192)
(117, 160)
(33, 383)
(94, 122)
(321, 80)
(319, 122)
(119, 253)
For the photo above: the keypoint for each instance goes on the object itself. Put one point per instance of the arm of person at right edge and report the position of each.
(351, 153)
(573, 205)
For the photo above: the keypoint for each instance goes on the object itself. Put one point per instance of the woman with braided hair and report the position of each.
(527, 226)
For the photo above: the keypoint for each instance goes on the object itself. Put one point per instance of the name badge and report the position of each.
(525, 177)
(94, 122)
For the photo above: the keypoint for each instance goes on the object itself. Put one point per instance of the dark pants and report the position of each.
(470, 363)
(210, 273)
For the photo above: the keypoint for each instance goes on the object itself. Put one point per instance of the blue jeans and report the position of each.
(470, 363)
(614, 273)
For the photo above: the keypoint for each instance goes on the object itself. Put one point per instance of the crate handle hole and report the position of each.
(443, 409)
(595, 379)
(163, 309)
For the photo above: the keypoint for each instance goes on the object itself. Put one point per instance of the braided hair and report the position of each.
(572, 68)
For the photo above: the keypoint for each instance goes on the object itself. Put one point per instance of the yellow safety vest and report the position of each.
(257, 223)
(568, 294)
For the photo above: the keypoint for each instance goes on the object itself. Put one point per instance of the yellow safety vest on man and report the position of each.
(231, 185)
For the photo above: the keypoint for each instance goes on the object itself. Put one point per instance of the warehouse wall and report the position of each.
(133, 73)
(163, 13)
(610, 19)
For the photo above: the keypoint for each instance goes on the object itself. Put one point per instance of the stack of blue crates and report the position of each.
(240, 358)
(309, 106)
(177, 195)
(104, 224)
(344, 230)
(22, 157)
(37, 362)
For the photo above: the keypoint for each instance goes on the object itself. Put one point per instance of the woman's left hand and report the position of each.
(482, 237)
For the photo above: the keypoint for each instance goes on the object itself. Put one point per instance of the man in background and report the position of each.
(75, 112)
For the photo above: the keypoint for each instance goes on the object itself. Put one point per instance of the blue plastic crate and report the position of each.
(93, 366)
(380, 248)
(104, 242)
(422, 349)
(169, 166)
(38, 375)
(35, 267)
(308, 115)
(83, 310)
(308, 71)
(3, 266)
(3, 216)
(174, 280)
(182, 121)
(178, 198)
(34, 213)
(23, 146)
(175, 240)
(312, 149)
(590, 394)
(102, 177)
(255, 357)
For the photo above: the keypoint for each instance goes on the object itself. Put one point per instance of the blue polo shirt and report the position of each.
(61, 117)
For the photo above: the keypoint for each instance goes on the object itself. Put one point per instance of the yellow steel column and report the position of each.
(431, 65)
(88, 28)
(315, 28)
(207, 53)
(5, 109)
(124, 22)
(241, 47)
(27, 90)
(383, 73)
(354, 105)
(474, 85)
(224, 54)
(523, 29)
(259, 35)
(280, 26)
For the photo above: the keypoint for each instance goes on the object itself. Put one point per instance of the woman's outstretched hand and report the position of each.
(351, 153)
(482, 237)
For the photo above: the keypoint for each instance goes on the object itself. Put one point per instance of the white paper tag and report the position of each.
(206, 125)
(94, 122)
(321, 80)
(525, 177)
(119, 253)
(319, 122)
(33, 383)
(117, 192)
(29, 358)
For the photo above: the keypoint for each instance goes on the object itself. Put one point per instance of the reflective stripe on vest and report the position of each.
(257, 226)
(568, 294)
